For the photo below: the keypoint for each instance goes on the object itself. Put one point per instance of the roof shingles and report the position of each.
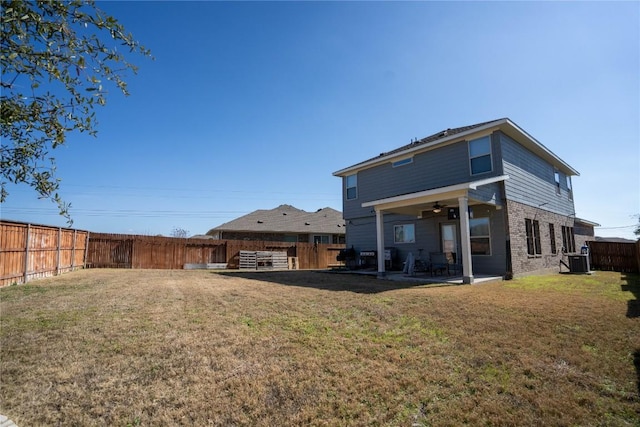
(432, 138)
(287, 219)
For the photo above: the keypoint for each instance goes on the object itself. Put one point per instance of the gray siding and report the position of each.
(448, 165)
(531, 179)
(361, 233)
(496, 262)
(490, 193)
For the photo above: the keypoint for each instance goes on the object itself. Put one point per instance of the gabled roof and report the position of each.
(449, 136)
(287, 219)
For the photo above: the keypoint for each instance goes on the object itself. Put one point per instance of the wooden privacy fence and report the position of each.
(623, 257)
(29, 251)
(134, 251)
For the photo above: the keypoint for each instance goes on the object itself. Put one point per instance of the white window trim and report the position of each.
(346, 183)
(483, 236)
(404, 225)
(402, 162)
(490, 154)
(321, 236)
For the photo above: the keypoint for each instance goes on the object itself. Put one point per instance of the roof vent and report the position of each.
(306, 223)
(260, 222)
(284, 213)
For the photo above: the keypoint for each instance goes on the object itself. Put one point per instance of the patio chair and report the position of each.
(438, 263)
(455, 264)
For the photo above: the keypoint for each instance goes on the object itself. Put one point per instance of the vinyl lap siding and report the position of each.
(361, 233)
(496, 263)
(490, 193)
(448, 165)
(531, 179)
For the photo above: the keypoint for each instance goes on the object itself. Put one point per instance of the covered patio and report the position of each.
(413, 204)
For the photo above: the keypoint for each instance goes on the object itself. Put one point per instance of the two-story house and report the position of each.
(490, 196)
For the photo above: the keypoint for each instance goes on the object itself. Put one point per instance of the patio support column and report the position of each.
(380, 240)
(465, 237)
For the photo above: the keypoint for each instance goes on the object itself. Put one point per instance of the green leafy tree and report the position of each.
(58, 60)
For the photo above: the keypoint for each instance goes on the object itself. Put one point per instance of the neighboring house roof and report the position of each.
(287, 219)
(449, 136)
(614, 240)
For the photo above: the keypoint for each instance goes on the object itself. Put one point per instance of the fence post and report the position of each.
(86, 250)
(58, 253)
(26, 253)
(73, 251)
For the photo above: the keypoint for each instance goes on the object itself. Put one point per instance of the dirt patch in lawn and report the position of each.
(148, 347)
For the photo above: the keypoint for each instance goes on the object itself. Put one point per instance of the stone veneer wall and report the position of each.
(521, 262)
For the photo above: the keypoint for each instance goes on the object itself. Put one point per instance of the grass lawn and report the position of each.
(150, 347)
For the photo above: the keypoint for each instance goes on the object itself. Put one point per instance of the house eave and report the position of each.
(587, 222)
(414, 150)
(504, 125)
(431, 194)
(289, 231)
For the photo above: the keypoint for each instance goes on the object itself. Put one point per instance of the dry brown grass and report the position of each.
(127, 347)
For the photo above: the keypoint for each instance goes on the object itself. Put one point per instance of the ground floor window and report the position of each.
(321, 239)
(480, 236)
(532, 227)
(405, 233)
(568, 239)
(552, 238)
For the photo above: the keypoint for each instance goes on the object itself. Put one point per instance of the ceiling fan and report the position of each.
(437, 208)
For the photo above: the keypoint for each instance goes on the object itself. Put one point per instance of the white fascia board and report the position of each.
(506, 125)
(587, 222)
(453, 189)
(418, 148)
(538, 146)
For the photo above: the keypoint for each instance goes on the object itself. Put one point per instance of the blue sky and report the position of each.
(251, 105)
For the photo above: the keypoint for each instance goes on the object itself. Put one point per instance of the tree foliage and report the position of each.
(58, 60)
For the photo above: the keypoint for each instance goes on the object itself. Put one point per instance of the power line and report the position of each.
(126, 213)
(616, 228)
(201, 192)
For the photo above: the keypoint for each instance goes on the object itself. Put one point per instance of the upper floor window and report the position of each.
(402, 162)
(569, 189)
(480, 155)
(556, 176)
(351, 184)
